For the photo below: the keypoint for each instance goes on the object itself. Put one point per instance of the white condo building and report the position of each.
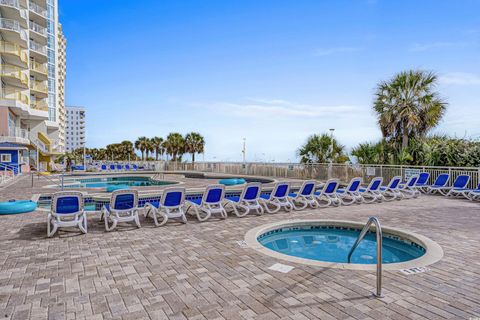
(32, 60)
(75, 128)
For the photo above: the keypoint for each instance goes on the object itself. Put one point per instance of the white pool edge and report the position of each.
(433, 250)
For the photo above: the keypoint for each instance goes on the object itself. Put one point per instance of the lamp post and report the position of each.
(330, 166)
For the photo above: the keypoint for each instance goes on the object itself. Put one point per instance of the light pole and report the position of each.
(244, 150)
(330, 166)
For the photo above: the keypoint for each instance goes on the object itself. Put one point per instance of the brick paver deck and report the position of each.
(199, 271)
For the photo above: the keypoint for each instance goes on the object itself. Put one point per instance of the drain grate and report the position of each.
(414, 270)
(242, 243)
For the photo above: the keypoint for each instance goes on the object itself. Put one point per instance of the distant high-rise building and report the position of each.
(30, 115)
(62, 73)
(75, 129)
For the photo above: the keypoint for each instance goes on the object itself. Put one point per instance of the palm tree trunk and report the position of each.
(404, 140)
(193, 157)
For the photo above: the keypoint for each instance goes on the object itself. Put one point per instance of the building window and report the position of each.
(5, 158)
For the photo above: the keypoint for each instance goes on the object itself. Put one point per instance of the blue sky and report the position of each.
(273, 72)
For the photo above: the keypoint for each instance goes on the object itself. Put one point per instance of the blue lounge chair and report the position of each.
(170, 206)
(392, 191)
(351, 193)
(410, 189)
(123, 207)
(305, 196)
(278, 198)
(459, 186)
(127, 167)
(210, 203)
(473, 194)
(135, 167)
(66, 211)
(422, 181)
(103, 167)
(372, 193)
(119, 167)
(328, 195)
(112, 167)
(439, 183)
(247, 201)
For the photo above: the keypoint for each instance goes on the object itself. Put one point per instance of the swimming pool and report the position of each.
(327, 243)
(112, 181)
(332, 244)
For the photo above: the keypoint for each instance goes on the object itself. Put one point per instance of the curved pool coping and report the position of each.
(71, 182)
(433, 251)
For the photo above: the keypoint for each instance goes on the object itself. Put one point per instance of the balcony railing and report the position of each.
(18, 132)
(38, 28)
(40, 86)
(39, 144)
(38, 67)
(10, 3)
(13, 25)
(37, 9)
(15, 96)
(13, 49)
(39, 105)
(35, 46)
(7, 70)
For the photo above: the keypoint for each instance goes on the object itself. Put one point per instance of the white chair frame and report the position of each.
(327, 199)
(206, 209)
(60, 220)
(277, 202)
(349, 197)
(246, 205)
(304, 200)
(164, 212)
(115, 216)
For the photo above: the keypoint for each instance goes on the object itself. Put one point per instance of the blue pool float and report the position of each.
(232, 182)
(17, 206)
(117, 187)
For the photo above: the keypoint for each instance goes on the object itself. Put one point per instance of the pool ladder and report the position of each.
(378, 231)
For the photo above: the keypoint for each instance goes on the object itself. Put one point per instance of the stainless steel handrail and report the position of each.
(378, 231)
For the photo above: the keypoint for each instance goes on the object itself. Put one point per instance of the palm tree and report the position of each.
(318, 149)
(407, 106)
(194, 143)
(141, 144)
(148, 148)
(157, 143)
(174, 145)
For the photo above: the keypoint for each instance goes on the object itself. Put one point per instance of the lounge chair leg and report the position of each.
(137, 219)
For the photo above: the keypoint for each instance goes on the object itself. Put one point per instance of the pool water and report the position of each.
(105, 182)
(332, 244)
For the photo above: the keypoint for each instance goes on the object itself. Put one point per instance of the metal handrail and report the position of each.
(39, 175)
(378, 231)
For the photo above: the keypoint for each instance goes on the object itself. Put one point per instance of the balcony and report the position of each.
(13, 76)
(15, 96)
(18, 132)
(38, 28)
(41, 105)
(12, 31)
(10, 3)
(37, 10)
(16, 135)
(11, 9)
(38, 33)
(13, 54)
(40, 70)
(38, 51)
(40, 88)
